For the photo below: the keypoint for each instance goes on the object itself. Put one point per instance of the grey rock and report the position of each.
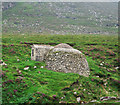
(75, 62)
(61, 58)
(93, 101)
(78, 99)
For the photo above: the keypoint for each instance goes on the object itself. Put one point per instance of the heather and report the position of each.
(26, 81)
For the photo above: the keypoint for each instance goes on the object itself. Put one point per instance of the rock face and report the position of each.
(62, 58)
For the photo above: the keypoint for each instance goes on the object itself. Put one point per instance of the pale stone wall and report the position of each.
(39, 52)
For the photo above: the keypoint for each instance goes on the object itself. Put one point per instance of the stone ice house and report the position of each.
(61, 58)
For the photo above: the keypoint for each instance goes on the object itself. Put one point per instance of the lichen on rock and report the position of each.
(67, 60)
(63, 58)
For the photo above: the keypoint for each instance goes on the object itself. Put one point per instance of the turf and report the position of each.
(39, 85)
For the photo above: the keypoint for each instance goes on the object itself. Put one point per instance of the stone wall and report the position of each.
(39, 52)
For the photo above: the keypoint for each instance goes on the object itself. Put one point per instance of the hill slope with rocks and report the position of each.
(60, 18)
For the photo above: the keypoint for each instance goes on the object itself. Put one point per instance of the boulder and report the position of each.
(67, 60)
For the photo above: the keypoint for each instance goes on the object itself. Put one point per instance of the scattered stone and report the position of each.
(80, 85)
(4, 64)
(41, 67)
(93, 101)
(78, 99)
(105, 83)
(62, 102)
(75, 92)
(117, 68)
(18, 60)
(62, 97)
(35, 67)
(26, 68)
(21, 77)
(101, 64)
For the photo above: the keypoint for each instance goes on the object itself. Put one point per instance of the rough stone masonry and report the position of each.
(61, 58)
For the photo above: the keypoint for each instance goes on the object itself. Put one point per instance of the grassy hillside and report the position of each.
(60, 18)
(39, 85)
(26, 81)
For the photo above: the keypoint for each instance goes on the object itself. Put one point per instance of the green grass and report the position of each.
(39, 85)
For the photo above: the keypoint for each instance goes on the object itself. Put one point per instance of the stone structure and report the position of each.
(39, 52)
(61, 58)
